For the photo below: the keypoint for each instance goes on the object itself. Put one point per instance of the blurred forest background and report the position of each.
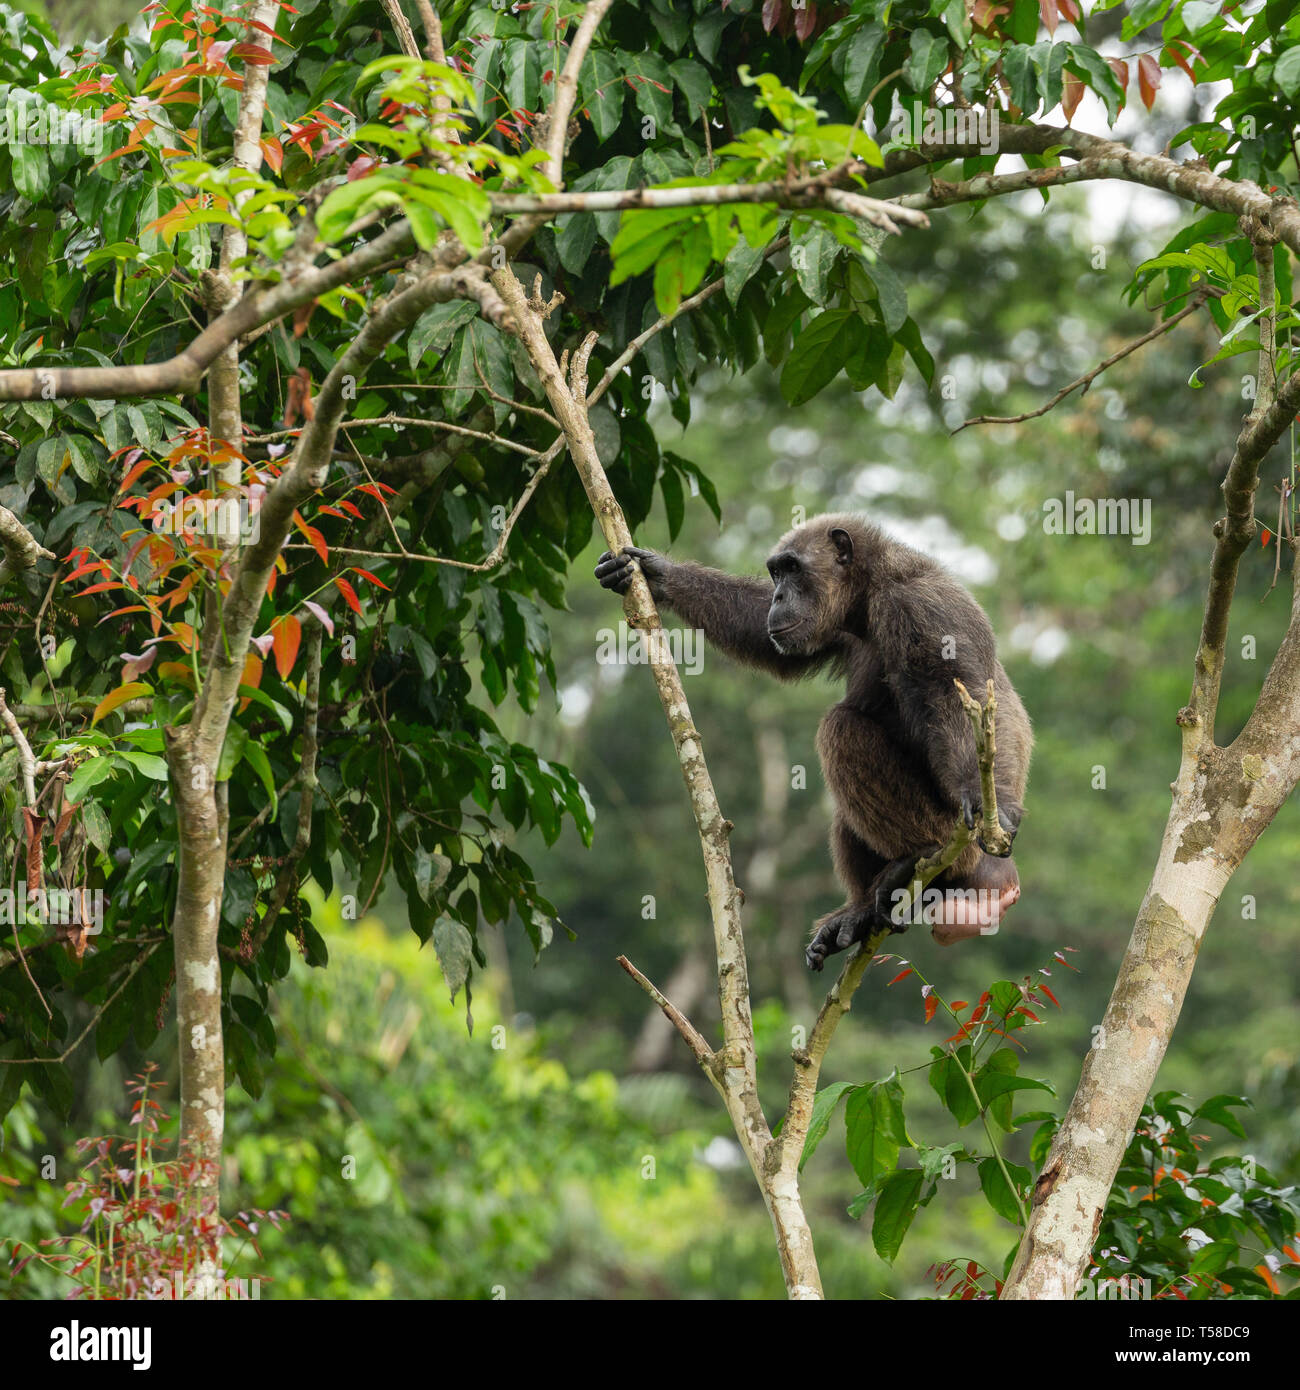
(569, 1147)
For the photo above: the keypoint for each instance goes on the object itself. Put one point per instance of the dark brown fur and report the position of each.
(897, 752)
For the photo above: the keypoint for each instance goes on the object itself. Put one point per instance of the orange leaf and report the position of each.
(1265, 536)
(931, 1005)
(90, 567)
(1148, 79)
(252, 53)
(273, 153)
(130, 691)
(314, 537)
(1072, 90)
(349, 595)
(252, 677)
(177, 671)
(902, 975)
(135, 473)
(365, 574)
(286, 636)
(1182, 59)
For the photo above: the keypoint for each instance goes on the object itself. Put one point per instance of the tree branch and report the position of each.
(21, 548)
(1086, 380)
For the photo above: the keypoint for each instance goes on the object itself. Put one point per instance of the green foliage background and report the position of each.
(524, 1167)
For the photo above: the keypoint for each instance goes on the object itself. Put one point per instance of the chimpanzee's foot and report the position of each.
(838, 931)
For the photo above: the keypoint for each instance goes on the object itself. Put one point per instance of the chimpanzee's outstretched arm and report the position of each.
(731, 611)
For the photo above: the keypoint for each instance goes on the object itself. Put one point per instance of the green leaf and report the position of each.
(927, 57)
(436, 327)
(694, 83)
(994, 1186)
(1096, 71)
(1218, 1111)
(950, 1084)
(875, 1129)
(255, 756)
(819, 353)
(824, 1103)
(859, 67)
(150, 764)
(893, 296)
(681, 266)
(1286, 72)
(90, 772)
(98, 830)
(741, 263)
(455, 947)
(604, 100)
(232, 750)
(575, 237)
(813, 254)
(31, 170)
(895, 1208)
(910, 337)
(1018, 69)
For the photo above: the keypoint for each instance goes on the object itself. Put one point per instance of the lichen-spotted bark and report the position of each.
(201, 831)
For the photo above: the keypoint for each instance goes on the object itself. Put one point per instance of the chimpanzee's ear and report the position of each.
(843, 544)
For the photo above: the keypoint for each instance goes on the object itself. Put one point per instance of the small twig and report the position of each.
(694, 1039)
(486, 436)
(685, 307)
(1088, 378)
(94, 1019)
(402, 28)
(26, 759)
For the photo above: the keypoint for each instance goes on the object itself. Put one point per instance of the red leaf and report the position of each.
(902, 975)
(286, 636)
(273, 153)
(1050, 995)
(1120, 68)
(252, 53)
(314, 537)
(1072, 90)
(1184, 61)
(117, 697)
(365, 574)
(805, 21)
(1265, 536)
(1148, 79)
(349, 595)
(771, 15)
(931, 1006)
